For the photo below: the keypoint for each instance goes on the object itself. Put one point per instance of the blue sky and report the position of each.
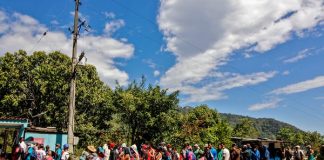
(255, 58)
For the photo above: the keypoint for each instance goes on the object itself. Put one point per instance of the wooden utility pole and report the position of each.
(72, 85)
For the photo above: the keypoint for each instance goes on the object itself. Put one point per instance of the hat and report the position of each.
(123, 145)
(196, 145)
(144, 146)
(297, 146)
(65, 146)
(112, 145)
(206, 146)
(308, 146)
(92, 149)
(134, 147)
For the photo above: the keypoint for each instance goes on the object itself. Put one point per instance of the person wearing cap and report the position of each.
(197, 151)
(134, 152)
(310, 153)
(65, 154)
(58, 152)
(114, 153)
(298, 154)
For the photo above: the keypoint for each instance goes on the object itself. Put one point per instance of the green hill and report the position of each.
(268, 127)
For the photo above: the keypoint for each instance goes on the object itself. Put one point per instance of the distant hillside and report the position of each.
(268, 127)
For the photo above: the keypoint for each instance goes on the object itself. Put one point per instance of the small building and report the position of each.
(13, 128)
(46, 136)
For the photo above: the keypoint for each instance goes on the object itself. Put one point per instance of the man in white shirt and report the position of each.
(41, 154)
(226, 153)
(65, 155)
(22, 144)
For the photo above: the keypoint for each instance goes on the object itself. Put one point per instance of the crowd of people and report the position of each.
(35, 151)
(163, 151)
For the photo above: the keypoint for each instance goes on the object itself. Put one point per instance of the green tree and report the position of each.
(246, 129)
(37, 87)
(145, 110)
(203, 125)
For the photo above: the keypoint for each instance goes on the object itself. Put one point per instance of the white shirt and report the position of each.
(65, 155)
(106, 152)
(226, 154)
(41, 154)
(23, 146)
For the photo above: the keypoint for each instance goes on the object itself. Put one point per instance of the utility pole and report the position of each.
(72, 85)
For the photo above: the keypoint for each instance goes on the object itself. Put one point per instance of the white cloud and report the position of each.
(113, 26)
(110, 15)
(203, 36)
(266, 105)
(156, 73)
(54, 22)
(301, 55)
(214, 89)
(303, 86)
(23, 32)
(285, 73)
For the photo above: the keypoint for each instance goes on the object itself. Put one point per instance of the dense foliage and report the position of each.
(37, 87)
(267, 127)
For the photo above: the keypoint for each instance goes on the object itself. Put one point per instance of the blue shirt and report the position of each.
(256, 155)
(214, 153)
(58, 154)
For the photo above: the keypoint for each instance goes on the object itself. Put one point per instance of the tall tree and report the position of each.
(145, 110)
(37, 87)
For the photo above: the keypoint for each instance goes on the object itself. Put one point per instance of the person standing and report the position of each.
(23, 147)
(235, 152)
(58, 152)
(226, 153)
(65, 154)
(298, 154)
(213, 151)
(310, 153)
(106, 151)
(220, 152)
(41, 154)
(256, 153)
(198, 152)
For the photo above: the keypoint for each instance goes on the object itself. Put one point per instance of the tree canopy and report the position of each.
(36, 87)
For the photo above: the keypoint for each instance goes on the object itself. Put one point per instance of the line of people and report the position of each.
(163, 151)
